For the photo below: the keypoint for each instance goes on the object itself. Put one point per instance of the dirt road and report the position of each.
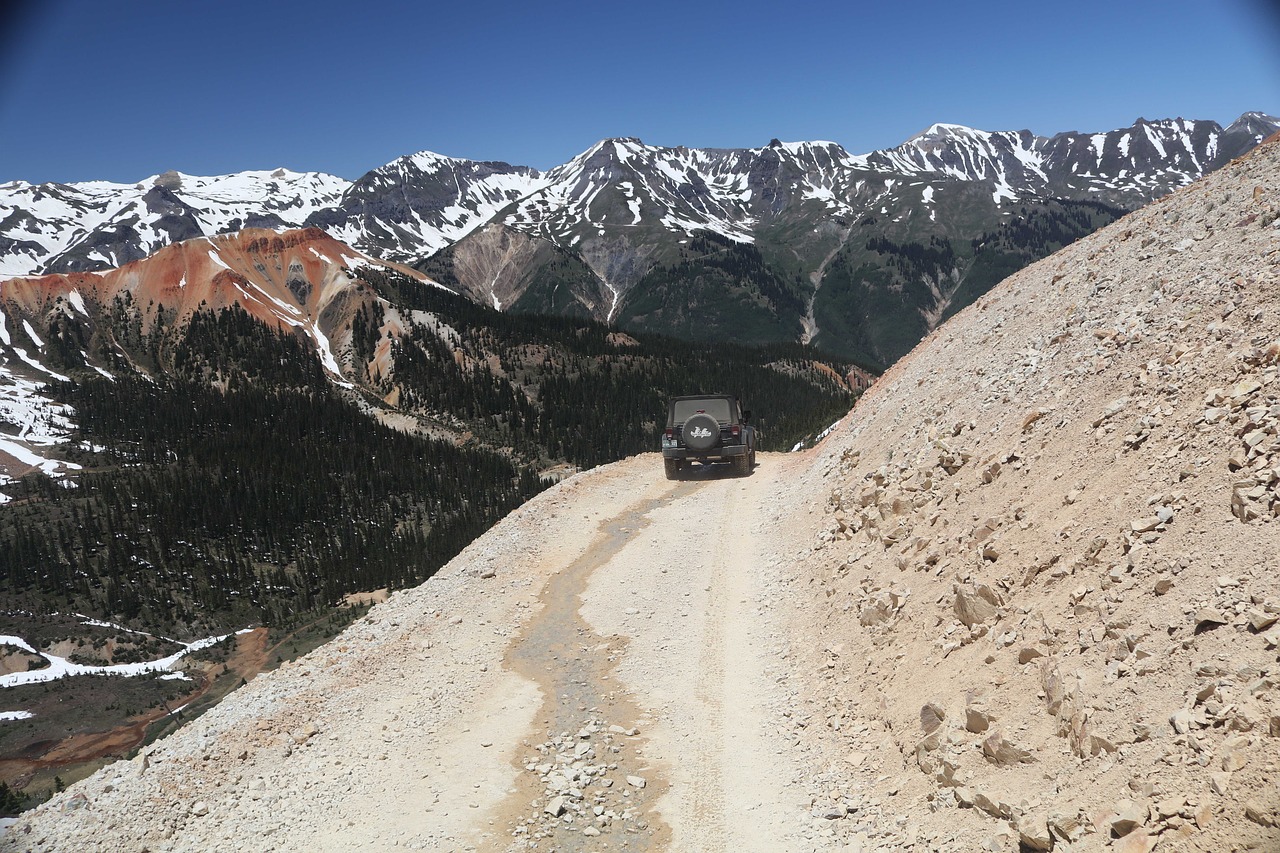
(633, 705)
(689, 592)
(656, 627)
(652, 635)
(606, 669)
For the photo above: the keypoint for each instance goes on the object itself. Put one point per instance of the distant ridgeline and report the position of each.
(237, 483)
(860, 254)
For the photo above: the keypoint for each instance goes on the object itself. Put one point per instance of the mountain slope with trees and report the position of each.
(231, 454)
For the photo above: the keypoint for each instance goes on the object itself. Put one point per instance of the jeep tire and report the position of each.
(672, 467)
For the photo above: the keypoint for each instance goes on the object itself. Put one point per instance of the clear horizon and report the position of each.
(120, 92)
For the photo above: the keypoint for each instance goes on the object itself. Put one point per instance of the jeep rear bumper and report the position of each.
(725, 452)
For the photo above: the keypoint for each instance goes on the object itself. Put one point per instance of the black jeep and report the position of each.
(708, 428)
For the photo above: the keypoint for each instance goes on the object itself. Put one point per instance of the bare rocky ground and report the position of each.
(1024, 598)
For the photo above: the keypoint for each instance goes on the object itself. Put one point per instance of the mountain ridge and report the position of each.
(75, 220)
(608, 234)
(272, 189)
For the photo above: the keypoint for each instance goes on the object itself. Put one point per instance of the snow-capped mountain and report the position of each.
(625, 183)
(622, 183)
(98, 225)
(1127, 166)
(622, 207)
(615, 232)
(627, 211)
(417, 205)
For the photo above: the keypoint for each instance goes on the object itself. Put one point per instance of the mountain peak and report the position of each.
(802, 147)
(943, 129)
(427, 161)
(1258, 124)
(621, 146)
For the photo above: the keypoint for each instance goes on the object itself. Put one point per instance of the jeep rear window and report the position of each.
(682, 410)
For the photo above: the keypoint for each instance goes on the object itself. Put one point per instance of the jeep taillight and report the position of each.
(735, 430)
(670, 433)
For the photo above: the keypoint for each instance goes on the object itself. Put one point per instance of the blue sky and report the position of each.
(123, 90)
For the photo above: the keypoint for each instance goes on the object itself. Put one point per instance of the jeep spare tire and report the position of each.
(701, 432)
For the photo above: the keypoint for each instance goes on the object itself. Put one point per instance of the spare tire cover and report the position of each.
(701, 432)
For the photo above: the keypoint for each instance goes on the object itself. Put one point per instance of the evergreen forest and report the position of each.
(230, 482)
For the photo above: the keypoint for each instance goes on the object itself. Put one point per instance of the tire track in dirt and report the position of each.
(708, 777)
(691, 593)
(573, 667)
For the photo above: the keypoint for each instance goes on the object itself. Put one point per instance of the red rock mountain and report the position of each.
(299, 280)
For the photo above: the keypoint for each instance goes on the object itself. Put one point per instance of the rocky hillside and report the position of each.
(1043, 597)
(288, 280)
(1023, 598)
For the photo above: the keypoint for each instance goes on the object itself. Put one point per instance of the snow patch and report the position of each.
(31, 362)
(326, 354)
(77, 301)
(31, 333)
(62, 668)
